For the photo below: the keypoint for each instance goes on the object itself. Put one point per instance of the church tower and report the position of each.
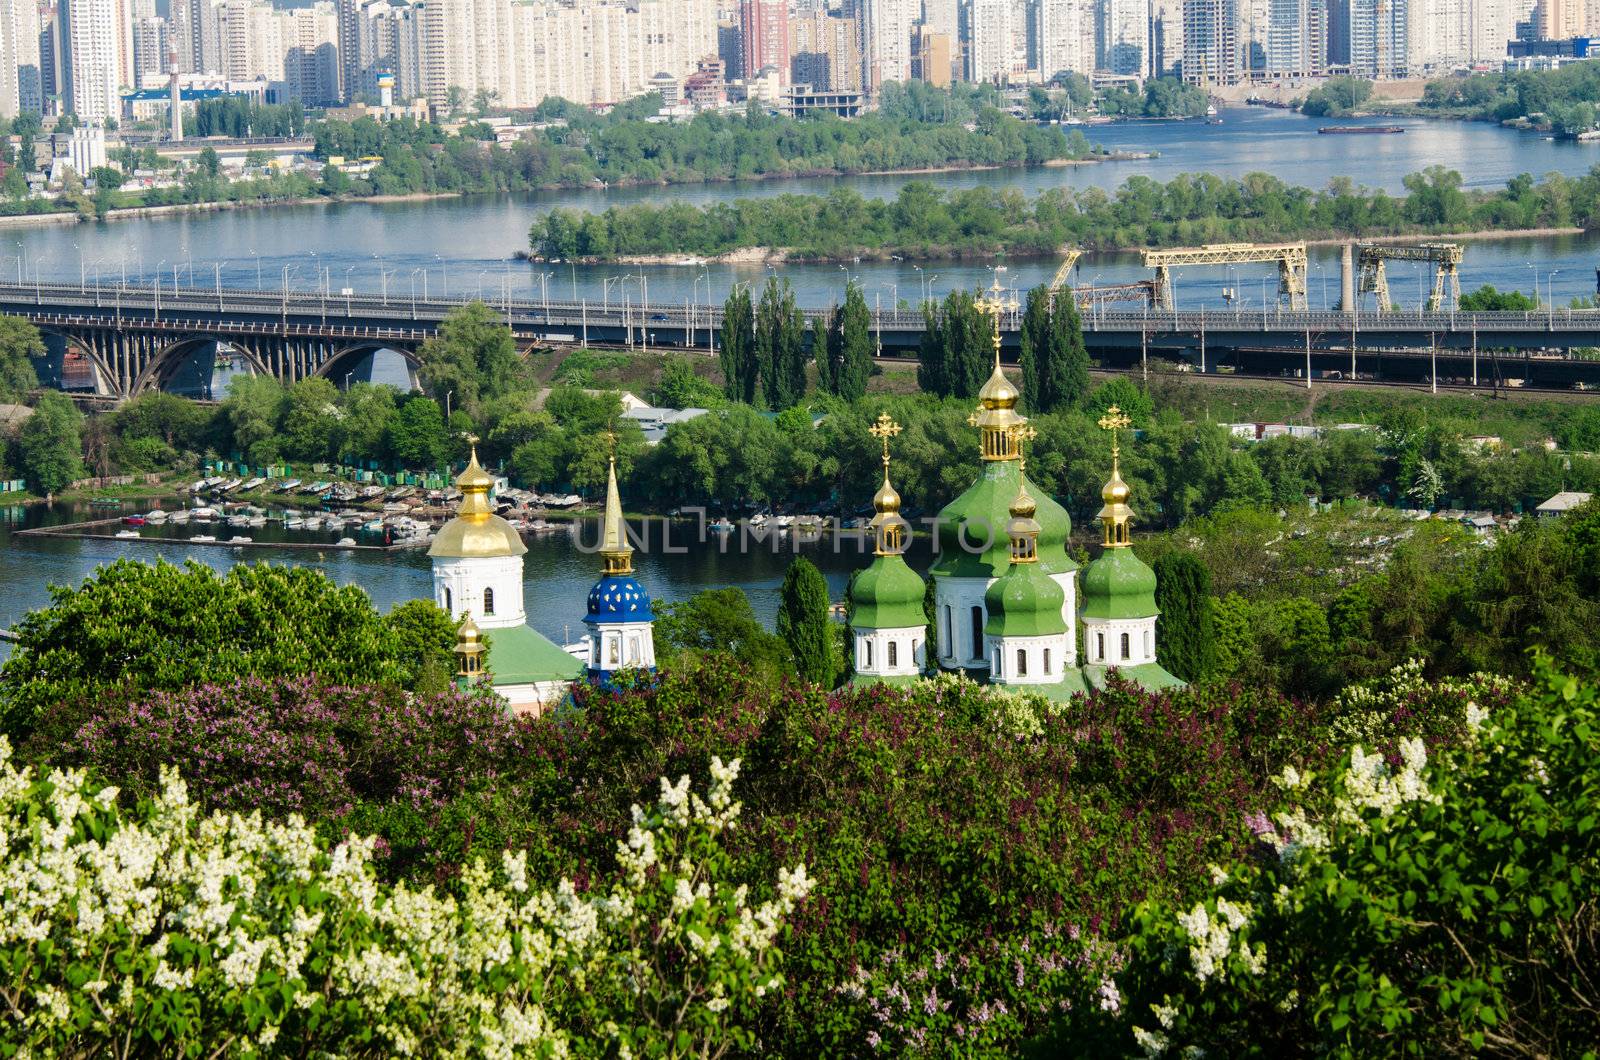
(477, 558)
(477, 580)
(619, 617)
(974, 546)
(887, 625)
(1119, 589)
(1028, 639)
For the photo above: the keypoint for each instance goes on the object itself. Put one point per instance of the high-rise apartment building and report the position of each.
(990, 41)
(1058, 35)
(764, 36)
(149, 47)
(1380, 38)
(196, 26)
(823, 53)
(886, 40)
(1122, 31)
(311, 67)
(1297, 38)
(931, 58)
(92, 38)
(21, 74)
(1211, 43)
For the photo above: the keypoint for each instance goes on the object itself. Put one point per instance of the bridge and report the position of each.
(136, 338)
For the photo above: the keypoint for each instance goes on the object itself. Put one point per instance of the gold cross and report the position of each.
(611, 442)
(994, 302)
(883, 430)
(1114, 421)
(1019, 436)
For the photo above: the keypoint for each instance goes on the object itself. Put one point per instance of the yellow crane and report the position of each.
(1446, 259)
(1067, 262)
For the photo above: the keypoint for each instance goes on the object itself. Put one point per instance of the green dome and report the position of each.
(887, 595)
(987, 505)
(1024, 602)
(1119, 585)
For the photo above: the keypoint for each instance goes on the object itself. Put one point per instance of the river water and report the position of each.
(558, 568)
(463, 246)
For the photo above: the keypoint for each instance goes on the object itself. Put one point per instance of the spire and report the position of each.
(1023, 529)
(997, 416)
(1116, 515)
(887, 525)
(614, 547)
(474, 484)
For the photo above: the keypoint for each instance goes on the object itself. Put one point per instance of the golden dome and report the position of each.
(1023, 506)
(1116, 491)
(886, 500)
(476, 532)
(468, 634)
(998, 392)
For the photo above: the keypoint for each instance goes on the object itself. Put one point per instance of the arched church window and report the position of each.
(866, 647)
(894, 653)
(488, 601)
(449, 604)
(1125, 652)
(1022, 663)
(1047, 662)
(977, 633)
(1100, 647)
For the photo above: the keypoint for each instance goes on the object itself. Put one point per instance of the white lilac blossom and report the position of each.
(241, 910)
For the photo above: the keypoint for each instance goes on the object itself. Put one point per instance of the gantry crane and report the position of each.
(1446, 259)
(1290, 258)
(1142, 291)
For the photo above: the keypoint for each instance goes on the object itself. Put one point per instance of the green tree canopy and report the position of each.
(803, 623)
(50, 444)
(740, 366)
(844, 359)
(1184, 637)
(19, 345)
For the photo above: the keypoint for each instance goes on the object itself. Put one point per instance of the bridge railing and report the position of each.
(336, 309)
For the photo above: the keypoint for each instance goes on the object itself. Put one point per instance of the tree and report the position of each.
(417, 435)
(1126, 395)
(368, 412)
(1488, 299)
(209, 162)
(717, 620)
(803, 622)
(19, 345)
(50, 444)
(1184, 641)
(165, 628)
(779, 346)
(311, 423)
(740, 367)
(472, 357)
(251, 412)
(1055, 363)
(844, 359)
(424, 642)
(933, 368)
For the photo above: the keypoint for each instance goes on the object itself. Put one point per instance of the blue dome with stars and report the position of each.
(619, 598)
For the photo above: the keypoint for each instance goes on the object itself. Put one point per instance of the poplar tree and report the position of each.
(1185, 641)
(780, 346)
(803, 622)
(738, 353)
(1035, 340)
(1055, 362)
(933, 371)
(844, 359)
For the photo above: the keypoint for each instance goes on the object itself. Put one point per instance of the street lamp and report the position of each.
(444, 272)
(258, 267)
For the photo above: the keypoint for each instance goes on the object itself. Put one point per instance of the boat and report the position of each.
(127, 533)
(722, 526)
(203, 539)
(155, 515)
(203, 515)
(346, 542)
(240, 538)
(288, 486)
(375, 526)
(230, 485)
(294, 524)
(1360, 130)
(179, 518)
(133, 520)
(257, 522)
(313, 523)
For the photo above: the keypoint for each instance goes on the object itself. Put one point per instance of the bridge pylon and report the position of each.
(1289, 257)
(1446, 259)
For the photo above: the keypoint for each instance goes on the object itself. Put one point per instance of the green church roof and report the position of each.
(986, 506)
(521, 655)
(1024, 602)
(1119, 585)
(887, 595)
(1149, 676)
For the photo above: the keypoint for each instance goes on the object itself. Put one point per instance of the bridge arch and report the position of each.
(163, 367)
(347, 358)
(105, 381)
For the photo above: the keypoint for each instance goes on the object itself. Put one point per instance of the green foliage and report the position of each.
(1184, 642)
(1163, 97)
(472, 358)
(19, 345)
(417, 435)
(803, 623)
(926, 222)
(424, 643)
(681, 388)
(135, 626)
(1054, 361)
(740, 364)
(957, 348)
(1337, 97)
(1126, 395)
(718, 620)
(844, 359)
(1410, 907)
(1488, 299)
(779, 346)
(49, 445)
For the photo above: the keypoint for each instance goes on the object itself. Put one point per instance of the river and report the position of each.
(463, 246)
(558, 573)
